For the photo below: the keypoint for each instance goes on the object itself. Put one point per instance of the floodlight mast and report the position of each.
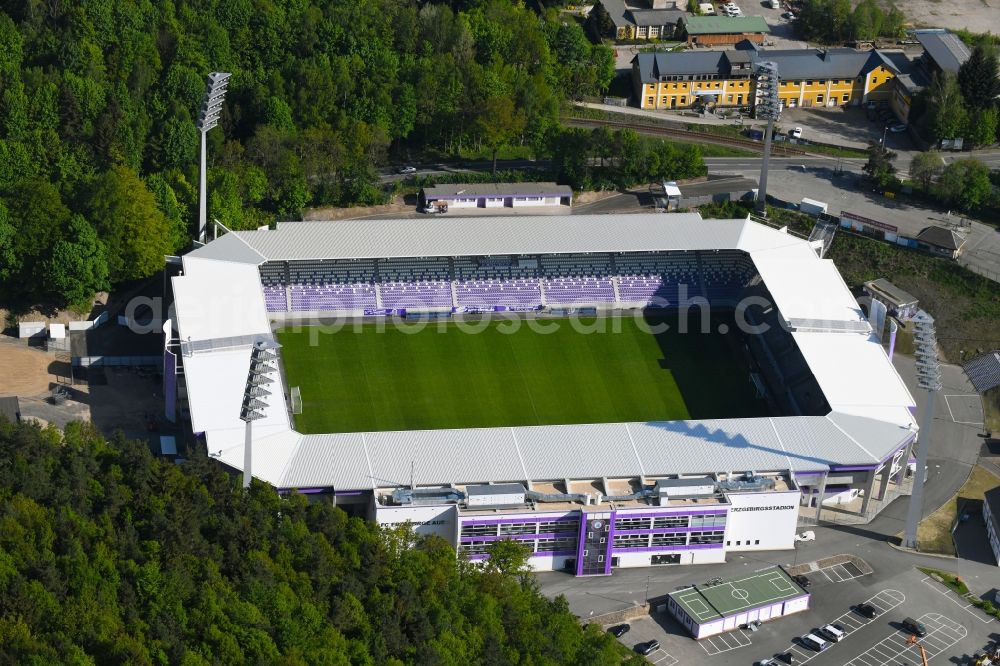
(928, 378)
(208, 117)
(766, 106)
(262, 357)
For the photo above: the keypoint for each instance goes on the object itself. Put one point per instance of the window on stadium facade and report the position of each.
(707, 537)
(517, 528)
(669, 539)
(558, 526)
(631, 541)
(552, 545)
(632, 523)
(709, 520)
(670, 521)
(479, 530)
(474, 547)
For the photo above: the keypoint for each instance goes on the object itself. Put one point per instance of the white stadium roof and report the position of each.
(220, 311)
(456, 237)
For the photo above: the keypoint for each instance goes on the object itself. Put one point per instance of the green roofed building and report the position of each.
(723, 605)
(719, 30)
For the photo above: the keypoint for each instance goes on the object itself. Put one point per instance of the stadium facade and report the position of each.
(584, 497)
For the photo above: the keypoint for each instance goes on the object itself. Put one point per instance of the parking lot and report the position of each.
(897, 648)
(954, 631)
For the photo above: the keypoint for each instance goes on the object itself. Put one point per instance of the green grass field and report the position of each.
(443, 377)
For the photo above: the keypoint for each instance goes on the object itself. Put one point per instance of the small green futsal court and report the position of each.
(444, 374)
(705, 603)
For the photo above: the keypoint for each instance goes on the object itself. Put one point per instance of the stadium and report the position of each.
(609, 390)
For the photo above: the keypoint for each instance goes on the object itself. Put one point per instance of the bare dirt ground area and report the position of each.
(26, 371)
(398, 206)
(128, 399)
(973, 15)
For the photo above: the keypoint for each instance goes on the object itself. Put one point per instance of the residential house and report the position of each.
(656, 19)
(809, 77)
(943, 53)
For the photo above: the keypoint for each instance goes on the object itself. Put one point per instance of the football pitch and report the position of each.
(601, 371)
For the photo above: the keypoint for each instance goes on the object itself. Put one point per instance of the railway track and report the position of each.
(684, 135)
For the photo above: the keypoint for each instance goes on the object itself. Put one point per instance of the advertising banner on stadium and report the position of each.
(762, 521)
(425, 520)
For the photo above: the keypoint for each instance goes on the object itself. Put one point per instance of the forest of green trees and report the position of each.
(98, 145)
(110, 555)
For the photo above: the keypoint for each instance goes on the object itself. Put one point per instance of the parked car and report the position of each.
(767, 662)
(914, 627)
(619, 630)
(796, 133)
(788, 16)
(787, 657)
(832, 632)
(406, 169)
(803, 582)
(867, 610)
(898, 127)
(648, 647)
(814, 642)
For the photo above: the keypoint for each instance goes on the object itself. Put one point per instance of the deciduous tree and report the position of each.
(78, 267)
(133, 228)
(925, 168)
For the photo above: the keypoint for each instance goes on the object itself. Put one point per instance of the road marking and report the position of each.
(947, 402)
(732, 640)
(660, 656)
(958, 601)
(837, 573)
(942, 633)
(884, 601)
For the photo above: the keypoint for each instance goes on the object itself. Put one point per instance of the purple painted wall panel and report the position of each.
(674, 530)
(169, 385)
(535, 519)
(675, 511)
(667, 549)
(546, 535)
(581, 542)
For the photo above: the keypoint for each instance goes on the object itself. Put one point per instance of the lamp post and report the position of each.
(208, 117)
(767, 106)
(262, 358)
(928, 378)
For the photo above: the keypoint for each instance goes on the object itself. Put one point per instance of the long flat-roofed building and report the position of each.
(586, 497)
(497, 195)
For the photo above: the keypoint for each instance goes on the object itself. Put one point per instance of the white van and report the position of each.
(814, 642)
(832, 632)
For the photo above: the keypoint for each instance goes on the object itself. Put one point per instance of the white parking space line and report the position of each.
(660, 656)
(884, 601)
(836, 573)
(942, 633)
(947, 401)
(958, 601)
(733, 640)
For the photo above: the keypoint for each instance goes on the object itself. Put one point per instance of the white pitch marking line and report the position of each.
(948, 403)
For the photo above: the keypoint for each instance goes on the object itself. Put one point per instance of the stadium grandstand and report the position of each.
(586, 496)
